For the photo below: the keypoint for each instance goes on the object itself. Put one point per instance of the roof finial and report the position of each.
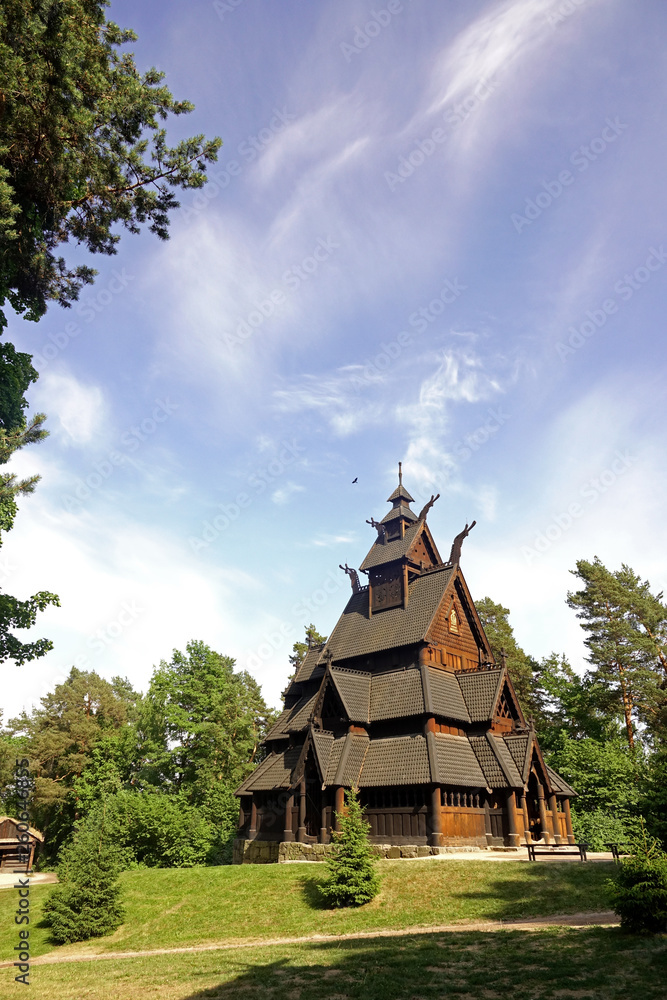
(400, 474)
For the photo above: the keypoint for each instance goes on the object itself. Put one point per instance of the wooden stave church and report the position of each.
(406, 703)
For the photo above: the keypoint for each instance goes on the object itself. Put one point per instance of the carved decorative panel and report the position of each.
(387, 589)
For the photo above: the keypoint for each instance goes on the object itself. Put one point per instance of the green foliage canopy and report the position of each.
(83, 714)
(82, 148)
(626, 628)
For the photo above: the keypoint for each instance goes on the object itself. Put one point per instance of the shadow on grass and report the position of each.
(595, 964)
(310, 892)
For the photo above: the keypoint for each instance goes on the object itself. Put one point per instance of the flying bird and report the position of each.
(354, 480)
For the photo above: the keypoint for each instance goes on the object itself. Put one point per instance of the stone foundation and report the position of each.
(264, 852)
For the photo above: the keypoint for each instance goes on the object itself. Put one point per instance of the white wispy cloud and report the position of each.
(77, 411)
(283, 494)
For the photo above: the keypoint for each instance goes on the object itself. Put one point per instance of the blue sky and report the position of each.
(436, 234)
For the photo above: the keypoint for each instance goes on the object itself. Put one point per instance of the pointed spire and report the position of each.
(400, 493)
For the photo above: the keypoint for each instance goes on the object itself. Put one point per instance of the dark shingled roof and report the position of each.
(479, 689)
(518, 747)
(401, 760)
(274, 772)
(351, 760)
(400, 511)
(401, 491)
(559, 784)
(357, 635)
(354, 688)
(456, 763)
(300, 714)
(506, 761)
(310, 668)
(493, 772)
(395, 694)
(322, 742)
(380, 554)
(496, 761)
(446, 697)
(277, 730)
(334, 759)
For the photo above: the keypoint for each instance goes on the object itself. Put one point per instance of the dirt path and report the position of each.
(607, 918)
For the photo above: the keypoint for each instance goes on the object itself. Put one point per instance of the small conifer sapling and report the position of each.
(352, 876)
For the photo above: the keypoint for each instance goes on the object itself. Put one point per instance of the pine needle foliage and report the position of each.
(352, 868)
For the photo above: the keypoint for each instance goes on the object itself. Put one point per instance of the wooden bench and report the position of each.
(618, 849)
(557, 850)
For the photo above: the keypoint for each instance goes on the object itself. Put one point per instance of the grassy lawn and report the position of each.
(558, 963)
(171, 908)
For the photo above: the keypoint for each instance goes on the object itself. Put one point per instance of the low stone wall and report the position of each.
(264, 852)
(255, 852)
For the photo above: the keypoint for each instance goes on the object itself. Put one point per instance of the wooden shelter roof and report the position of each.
(36, 834)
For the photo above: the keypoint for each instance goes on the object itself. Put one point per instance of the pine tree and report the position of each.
(627, 639)
(352, 876)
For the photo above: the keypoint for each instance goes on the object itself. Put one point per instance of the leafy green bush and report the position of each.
(638, 888)
(159, 831)
(86, 902)
(352, 877)
(598, 828)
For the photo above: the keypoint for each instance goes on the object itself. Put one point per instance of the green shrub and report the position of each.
(598, 828)
(152, 829)
(351, 869)
(638, 888)
(86, 902)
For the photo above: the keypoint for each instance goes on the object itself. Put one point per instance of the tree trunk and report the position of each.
(626, 695)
